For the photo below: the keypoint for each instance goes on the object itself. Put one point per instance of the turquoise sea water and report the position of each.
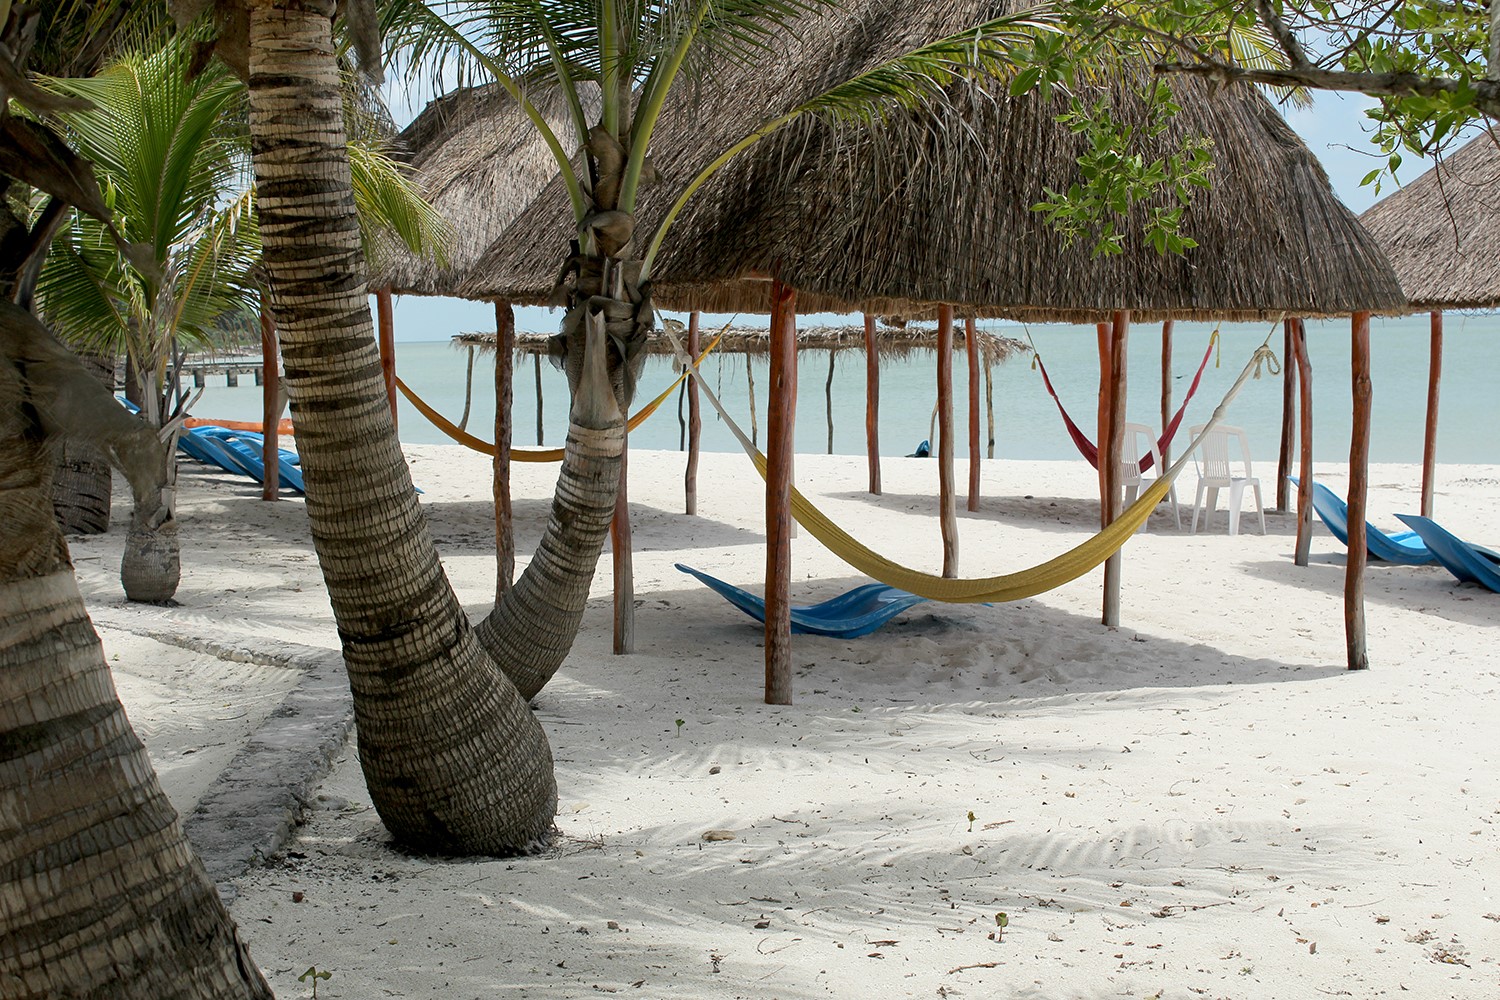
(1027, 425)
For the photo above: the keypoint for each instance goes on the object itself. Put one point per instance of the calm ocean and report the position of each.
(1027, 425)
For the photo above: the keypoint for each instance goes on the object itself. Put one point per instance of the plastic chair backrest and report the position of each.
(1140, 439)
(1214, 452)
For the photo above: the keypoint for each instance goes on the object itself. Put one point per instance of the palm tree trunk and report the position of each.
(81, 482)
(454, 759)
(103, 896)
(151, 565)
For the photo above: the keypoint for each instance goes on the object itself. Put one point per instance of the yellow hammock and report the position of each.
(473, 443)
(993, 589)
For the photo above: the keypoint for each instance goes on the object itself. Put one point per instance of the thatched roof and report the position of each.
(479, 160)
(935, 206)
(892, 343)
(1442, 231)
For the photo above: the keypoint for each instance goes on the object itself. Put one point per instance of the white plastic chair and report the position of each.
(1139, 438)
(1215, 474)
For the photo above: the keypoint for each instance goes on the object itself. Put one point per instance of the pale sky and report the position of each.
(1334, 128)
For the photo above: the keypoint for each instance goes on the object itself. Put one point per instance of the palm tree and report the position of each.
(172, 150)
(103, 893)
(453, 758)
(163, 145)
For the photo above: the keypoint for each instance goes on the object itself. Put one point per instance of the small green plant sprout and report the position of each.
(1002, 921)
(680, 724)
(314, 973)
(972, 818)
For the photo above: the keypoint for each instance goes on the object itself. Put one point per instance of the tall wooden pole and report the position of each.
(1359, 474)
(270, 406)
(872, 403)
(1112, 436)
(505, 372)
(624, 566)
(947, 499)
(971, 344)
(1429, 440)
(781, 422)
(989, 409)
(1288, 414)
(1166, 390)
(1305, 472)
(828, 396)
(536, 366)
(695, 422)
(387, 317)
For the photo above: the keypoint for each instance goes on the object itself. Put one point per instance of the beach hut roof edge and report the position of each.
(934, 206)
(1441, 232)
(479, 160)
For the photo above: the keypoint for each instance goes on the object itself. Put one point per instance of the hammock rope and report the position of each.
(1038, 579)
(1085, 444)
(484, 447)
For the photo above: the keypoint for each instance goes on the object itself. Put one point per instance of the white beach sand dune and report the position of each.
(1200, 803)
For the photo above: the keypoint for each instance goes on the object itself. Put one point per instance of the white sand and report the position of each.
(1201, 803)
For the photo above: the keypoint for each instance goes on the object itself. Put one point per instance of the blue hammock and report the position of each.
(848, 616)
(1404, 547)
(1470, 563)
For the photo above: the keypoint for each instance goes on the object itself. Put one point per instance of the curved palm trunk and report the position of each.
(100, 893)
(534, 624)
(608, 322)
(454, 759)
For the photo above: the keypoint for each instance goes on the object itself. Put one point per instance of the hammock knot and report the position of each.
(1267, 357)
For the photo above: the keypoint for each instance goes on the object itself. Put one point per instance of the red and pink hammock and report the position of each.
(1089, 450)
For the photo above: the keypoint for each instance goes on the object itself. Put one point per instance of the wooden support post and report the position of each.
(947, 499)
(989, 407)
(780, 426)
(1429, 440)
(387, 345)
(231, 377)
(1112, 436)
(536, 364)
(695, 423)
(1305, 471)
(1166, 389)
(1359, 475)
(620, 548)
(828, 395)
(1288, 415)
(463, 421)
(270, 407)
(505, 371)
(971, 346)
(872, 403)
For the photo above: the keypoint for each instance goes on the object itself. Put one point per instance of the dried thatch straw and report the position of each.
(480, 161)
(893, 344)
(1442, 231)
(935, 206)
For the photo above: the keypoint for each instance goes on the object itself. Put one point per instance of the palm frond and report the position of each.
(921, 75)
(390, 205)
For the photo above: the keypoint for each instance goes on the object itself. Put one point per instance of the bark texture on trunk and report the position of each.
(505, 396)
(100, 894)
(454, 759)
(81, 481)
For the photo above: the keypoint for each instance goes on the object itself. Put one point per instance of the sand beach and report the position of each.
(1200, 803)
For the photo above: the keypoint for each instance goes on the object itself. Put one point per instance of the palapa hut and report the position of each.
(1442, 235)
(932, 210)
